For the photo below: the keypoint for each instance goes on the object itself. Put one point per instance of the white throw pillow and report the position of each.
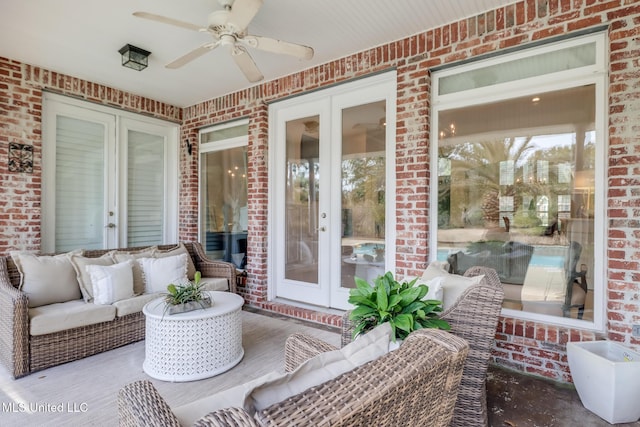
(180, 249)
(46, 279)
(111, 283)
(138, 280)
(453, 285)
(158, 273)
(80, 264)
(321, 368)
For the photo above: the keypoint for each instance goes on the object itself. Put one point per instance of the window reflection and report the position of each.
(363, 179)
(516, 193)
(302, 198)
(224, 204)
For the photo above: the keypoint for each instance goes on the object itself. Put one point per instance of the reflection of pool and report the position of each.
(537, 258)
(368, 248)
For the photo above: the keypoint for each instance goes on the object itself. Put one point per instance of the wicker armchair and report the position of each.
(416, 384)
(474, 317)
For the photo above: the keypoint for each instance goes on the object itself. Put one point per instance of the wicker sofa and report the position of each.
(473, 315)
(23, 351)
(414, 385)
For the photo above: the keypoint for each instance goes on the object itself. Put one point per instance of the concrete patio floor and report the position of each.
(519, 400)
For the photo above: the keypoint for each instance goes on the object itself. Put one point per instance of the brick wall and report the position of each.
(527, 346)
(532, 347)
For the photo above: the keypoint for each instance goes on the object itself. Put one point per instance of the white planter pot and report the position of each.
(607, 378)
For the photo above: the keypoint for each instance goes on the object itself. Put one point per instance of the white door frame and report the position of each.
(328, 104)
(116, 124)
(385, 90)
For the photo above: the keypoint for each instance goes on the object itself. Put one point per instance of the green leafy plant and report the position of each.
(188, 292)
(399, 303)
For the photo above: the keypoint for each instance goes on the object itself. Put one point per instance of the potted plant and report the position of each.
(399, 303)
(187, 297)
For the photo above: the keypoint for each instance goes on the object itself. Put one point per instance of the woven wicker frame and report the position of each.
(415, 385)
(474, 317)
(22, 354)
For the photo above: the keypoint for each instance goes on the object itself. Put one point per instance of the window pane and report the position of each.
(532, 66)
(145, 189)
(223, 186)
(224, 133)
(363, 193)
(302, 197)
(520, 196)
(80, 148)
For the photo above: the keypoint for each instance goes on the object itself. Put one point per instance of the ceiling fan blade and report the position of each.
(170, 21)
(242, 12)
(246, 64)
(196, 53)
(278, 46)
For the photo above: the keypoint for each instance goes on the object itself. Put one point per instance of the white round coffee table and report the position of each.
(196, 344)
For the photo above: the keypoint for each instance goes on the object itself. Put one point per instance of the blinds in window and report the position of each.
(145, 187)
(80, 157)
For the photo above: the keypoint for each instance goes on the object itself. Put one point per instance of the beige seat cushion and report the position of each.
(180, 249)
(46, 279)
(66, 315)
(215, 284)
(321, 368)
(133, 305)
(138, 278)
(80, 264)
(453, 285)
(275, 387)
(233, 397)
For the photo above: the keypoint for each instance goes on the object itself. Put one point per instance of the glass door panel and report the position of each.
(145, 189)
(363, 185)
(301, 197)
(80, 184)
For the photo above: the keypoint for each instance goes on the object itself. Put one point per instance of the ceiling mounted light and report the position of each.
(134, 57)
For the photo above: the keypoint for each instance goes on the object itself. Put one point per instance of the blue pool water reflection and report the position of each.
(368, 248)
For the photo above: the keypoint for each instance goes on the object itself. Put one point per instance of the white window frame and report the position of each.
(591, 74)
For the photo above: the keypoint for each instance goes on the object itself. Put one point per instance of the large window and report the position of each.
(223, 192)
(519, 149)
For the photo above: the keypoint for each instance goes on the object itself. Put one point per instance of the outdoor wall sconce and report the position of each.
(134, 57)
(189, 146)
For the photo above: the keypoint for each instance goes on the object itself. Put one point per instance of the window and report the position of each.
(223, 192)
(522, 140)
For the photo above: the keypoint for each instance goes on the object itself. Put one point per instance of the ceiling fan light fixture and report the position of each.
(134, 57)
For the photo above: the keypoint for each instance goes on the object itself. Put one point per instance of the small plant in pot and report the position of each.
(187, 297)
(399, 303)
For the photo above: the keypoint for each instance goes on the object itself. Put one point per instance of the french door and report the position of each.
(332, 167)
(109, 179)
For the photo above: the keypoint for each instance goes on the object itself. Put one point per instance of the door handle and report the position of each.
(110, 225)
(321, 229)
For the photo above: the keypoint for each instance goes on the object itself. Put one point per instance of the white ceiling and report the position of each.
(81, 38)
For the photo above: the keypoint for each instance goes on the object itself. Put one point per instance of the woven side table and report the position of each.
(196, 344)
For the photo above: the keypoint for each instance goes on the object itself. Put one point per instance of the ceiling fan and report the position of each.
(228, 27)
